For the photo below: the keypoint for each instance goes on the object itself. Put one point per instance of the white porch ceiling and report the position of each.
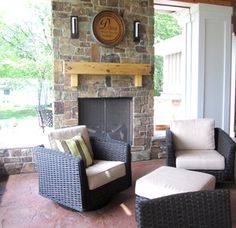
(170, 6)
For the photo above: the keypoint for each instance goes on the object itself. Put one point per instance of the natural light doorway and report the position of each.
(205, 64)
(169, 80)
(25, 70)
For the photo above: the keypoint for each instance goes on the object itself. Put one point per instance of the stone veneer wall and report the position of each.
(85, 49)
(16, 161)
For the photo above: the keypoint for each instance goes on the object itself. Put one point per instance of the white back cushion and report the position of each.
(196, 134)
(68, 133)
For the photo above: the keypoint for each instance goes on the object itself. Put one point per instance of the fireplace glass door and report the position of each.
(107, 116)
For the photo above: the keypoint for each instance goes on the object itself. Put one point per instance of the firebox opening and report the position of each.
(112, 117)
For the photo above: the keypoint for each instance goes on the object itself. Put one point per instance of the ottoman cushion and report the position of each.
(169, 180)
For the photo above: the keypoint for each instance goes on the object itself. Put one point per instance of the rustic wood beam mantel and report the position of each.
(96, 68)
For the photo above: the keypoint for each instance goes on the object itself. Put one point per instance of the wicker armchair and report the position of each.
(224, 145)
(45, 117)
(63, 178)
(193, 209)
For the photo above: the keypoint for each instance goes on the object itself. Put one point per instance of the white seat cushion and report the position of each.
(103, 172)
(196, 134)
(200, 159)
(169, 180)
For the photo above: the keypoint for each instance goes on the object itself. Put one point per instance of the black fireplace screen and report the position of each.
(107, 116)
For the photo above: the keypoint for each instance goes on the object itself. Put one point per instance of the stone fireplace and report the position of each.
(85, 49)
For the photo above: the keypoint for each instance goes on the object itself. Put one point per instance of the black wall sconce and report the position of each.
(74, 28)
(136, 30)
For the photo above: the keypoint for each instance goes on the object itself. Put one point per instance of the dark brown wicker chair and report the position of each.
(203, 209)
(223, 144)
(63, 179)
(45, 117)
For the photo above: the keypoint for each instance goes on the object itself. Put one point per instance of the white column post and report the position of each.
(233, 87)
(208, 63)
(186, 64)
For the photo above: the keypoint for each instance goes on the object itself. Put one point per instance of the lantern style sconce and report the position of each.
(74, 28)
(136, 34)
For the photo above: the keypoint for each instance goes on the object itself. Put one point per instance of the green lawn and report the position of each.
(17, 112)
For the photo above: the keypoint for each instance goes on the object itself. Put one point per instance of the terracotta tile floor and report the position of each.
(22, 207)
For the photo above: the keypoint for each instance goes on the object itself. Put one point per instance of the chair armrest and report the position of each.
(57, 171)
(109, 149)
(112, 150)
(226, 147)
(224, 143)
(170, 161)
(201, 209)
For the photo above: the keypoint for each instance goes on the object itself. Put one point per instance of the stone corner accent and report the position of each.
(17, 161)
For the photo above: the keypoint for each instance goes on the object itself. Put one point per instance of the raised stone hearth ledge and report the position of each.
(17, 161)
(96, 68)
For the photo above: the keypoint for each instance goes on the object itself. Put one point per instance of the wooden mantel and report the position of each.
(96, 68)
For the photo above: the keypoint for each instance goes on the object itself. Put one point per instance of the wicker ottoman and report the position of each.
(169, 180)
(177, 198)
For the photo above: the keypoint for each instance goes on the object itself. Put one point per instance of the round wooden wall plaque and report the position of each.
(108, 28)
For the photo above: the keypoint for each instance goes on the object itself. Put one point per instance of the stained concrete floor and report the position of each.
(22, 207)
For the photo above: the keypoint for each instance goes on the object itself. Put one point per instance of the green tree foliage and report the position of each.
(158, 74)
(26, 48)
(165, 27)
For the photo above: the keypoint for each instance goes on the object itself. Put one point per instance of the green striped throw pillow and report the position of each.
(77, 147)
